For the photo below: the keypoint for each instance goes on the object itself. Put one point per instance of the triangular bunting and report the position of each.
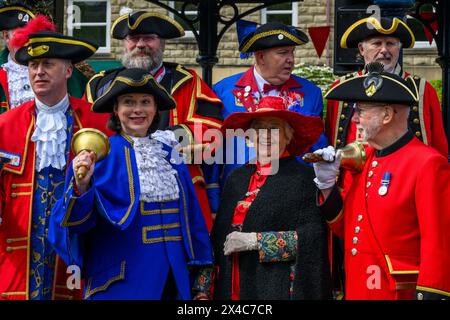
(319, 37)
(431, 18)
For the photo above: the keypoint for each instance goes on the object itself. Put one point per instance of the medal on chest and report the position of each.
(383, 190)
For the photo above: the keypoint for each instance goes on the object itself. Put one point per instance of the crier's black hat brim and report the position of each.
(133, 81)
(394, 90)
(14, 16)
(49, 44)
(371, 27)
(142, 22)
(271, 35)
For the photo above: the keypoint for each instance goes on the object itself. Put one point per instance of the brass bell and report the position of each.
(90, 139)
(353, 157)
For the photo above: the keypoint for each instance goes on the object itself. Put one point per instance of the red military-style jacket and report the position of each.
(425, 121)
(396, 240)
(17, 181)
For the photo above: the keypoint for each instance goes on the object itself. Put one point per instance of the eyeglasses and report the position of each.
(360, 108)
(146, 38)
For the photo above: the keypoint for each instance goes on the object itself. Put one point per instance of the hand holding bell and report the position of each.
(353, 157)
(91, 140)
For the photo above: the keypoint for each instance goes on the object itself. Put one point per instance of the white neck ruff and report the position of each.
(50, 135)
(157, 178)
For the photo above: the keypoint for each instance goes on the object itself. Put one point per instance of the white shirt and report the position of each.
(260, 81)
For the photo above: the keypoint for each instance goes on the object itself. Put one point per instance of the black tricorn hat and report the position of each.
(270, 35)
(143, 22)
(14, 16)
(49, 44)
(133, 80)
(376, 86)
(372, 27)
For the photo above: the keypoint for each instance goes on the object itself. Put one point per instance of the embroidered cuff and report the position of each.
(277, 246)
(426, 293)
(203, 282)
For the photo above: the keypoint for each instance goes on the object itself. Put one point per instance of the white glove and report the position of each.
(326, 172)
(240, 241)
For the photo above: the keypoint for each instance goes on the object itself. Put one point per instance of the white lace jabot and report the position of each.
(19, 88)
(50, 134)
(156, 176)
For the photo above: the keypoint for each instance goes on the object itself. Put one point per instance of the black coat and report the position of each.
(285, 202)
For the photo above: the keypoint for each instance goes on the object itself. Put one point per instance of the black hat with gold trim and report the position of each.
(372, 27)
(270, 35)
(133, 80)
(49, 44)
(14, 16)
(143, 22)
(376, 86)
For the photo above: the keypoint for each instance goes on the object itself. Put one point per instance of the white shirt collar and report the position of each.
(260, 81)
(62, 105)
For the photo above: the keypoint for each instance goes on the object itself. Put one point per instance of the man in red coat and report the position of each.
(381, 40)
(394, 219)
(35, 137)
(198, 108)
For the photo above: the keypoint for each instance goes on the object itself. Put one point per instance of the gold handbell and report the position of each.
(353, 157)
(90, 139)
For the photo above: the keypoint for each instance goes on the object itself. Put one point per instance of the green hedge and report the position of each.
(437, 84)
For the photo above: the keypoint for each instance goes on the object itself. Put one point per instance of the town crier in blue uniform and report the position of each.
(273, 46)
(133, 223)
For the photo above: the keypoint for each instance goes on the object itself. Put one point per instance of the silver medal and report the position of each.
(383, 190)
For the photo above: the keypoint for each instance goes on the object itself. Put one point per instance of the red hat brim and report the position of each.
(307, 129)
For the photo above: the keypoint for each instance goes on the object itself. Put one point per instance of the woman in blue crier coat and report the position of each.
(133, 223)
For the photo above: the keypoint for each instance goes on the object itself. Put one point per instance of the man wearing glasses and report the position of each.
(198, 109)
(394, 219)
(381, 41)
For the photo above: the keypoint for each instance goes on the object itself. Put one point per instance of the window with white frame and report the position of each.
(191, 13)
(286, 13)
(90, 20)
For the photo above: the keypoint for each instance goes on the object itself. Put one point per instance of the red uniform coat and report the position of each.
(425, 121)
(397, 243)
(16, 194)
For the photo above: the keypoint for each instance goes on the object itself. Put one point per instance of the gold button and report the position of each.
(368, 184)
(420, 296)
(14, 186)
(415, 109)
(357, 229)
(418, 134)
(416, 121)
(50, 175)
(13, 195)
(370, 173)
(49, 193)
(360, 217)
(338, 141)
(374, 164)
(367, 195)
(9, 249)
(4, 295)
(345, 104)
(354, 252)
(343, 116)
(340, 129)
(8, 241)
(355, 240)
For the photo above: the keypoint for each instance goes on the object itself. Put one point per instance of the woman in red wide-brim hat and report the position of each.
(269, 238)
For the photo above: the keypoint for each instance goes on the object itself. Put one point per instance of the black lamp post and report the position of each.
(442, 39)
